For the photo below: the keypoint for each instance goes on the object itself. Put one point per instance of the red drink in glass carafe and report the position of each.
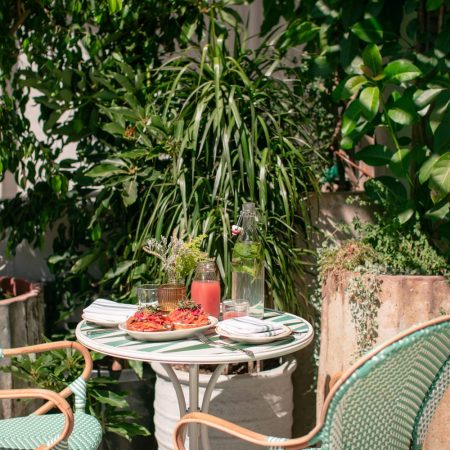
(205, 288)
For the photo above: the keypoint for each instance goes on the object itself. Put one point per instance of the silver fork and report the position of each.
(206, 340)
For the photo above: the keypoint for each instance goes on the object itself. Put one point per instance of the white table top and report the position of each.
(114, 342)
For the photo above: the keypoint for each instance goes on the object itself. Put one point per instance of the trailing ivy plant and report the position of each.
(385, 247)
(362, 292)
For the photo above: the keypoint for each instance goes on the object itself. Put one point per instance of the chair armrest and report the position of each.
(234, 430)
(334, 379)
(53, 398)
(39, 348)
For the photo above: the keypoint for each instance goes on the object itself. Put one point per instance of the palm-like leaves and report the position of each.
(219, 131)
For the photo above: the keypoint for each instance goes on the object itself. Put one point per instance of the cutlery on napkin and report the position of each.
(251, 327)
(108, 310)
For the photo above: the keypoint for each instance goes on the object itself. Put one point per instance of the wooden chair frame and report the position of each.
(54, 400)
(296, 443)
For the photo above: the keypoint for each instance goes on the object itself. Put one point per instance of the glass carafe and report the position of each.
(248, 263)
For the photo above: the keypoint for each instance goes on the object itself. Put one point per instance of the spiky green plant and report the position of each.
(220, 127)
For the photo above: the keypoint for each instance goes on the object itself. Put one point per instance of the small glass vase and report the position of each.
(169, 295)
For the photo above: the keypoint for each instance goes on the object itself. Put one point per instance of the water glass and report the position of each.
(234, 308)
(147, 295)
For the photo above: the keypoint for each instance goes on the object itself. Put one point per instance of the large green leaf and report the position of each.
(351, 117)
(403, 111)
(129, 193)
(433, 5)
(405, 215)
(426, 167)
(84, 261)
(372, 59)
(368, 30)
(348, 87)
(374, 155)
(298, 33)
(440, 174)
(121, 268)
(127, 113)
(424, 98)
(400, 161)
(439, 211)
(105, 170)
(442, 135)
(114, 128)
(370, 101)
(112, 399)
(402, 70)
(394, 186)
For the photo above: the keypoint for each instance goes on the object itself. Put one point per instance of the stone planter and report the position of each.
(404, 301)
(261, 401)
(21, 324)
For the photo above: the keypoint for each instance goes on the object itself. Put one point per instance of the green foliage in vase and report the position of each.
(56, 369)
(247, 258)
(177, 257)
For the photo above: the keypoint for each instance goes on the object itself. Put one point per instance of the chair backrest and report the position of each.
(430, 404)
(392, 394)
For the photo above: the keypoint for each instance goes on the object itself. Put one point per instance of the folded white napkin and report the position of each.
(251, 327)
(107, 310)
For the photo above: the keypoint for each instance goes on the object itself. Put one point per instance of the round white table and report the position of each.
(192, 352)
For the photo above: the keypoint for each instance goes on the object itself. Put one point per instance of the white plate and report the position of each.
(109, 323)
(167, 335)
(252, 339)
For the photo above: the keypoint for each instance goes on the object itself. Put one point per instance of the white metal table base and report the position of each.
(195, 430)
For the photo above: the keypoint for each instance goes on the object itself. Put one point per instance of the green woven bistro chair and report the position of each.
(67, 430)
(385, 401)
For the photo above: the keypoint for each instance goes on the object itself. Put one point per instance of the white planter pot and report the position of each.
(262, 402)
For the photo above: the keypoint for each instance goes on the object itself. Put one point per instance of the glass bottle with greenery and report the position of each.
(248, 263)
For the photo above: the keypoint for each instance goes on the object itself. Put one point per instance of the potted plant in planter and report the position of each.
(373, 287)
(262, 400)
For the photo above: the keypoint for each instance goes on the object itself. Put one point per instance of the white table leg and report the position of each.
(206, 401)
(193, 406)
(177, 386)
(193, 429)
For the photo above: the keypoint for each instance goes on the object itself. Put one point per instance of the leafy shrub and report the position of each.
(158, 149)
(219, 128)
(387, 64)
(56, 369)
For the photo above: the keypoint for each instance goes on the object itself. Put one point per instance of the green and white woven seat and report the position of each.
(385, 401)
(65, 431)
(32, 431)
